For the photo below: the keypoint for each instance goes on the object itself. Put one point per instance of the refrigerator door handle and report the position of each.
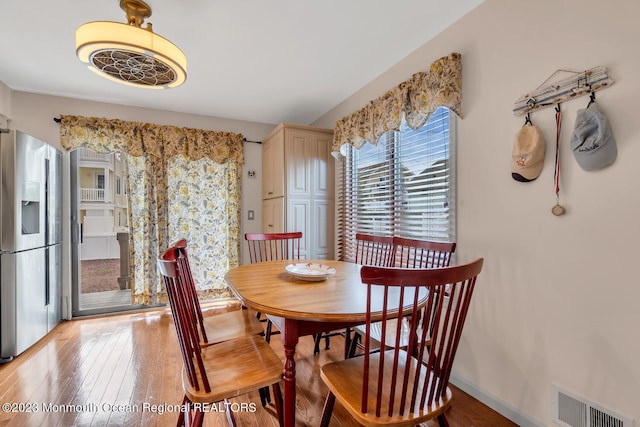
(47, 203)
(47, 278)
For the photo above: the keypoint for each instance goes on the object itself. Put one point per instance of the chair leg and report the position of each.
(188, 417)
(347, 342)
(354, 344)
(263, 398)
(198, 418)
(316, 343)
(277, 395)
(227, 409)
(181, 417)
(442, 420)
(267, 336)
(327, 410)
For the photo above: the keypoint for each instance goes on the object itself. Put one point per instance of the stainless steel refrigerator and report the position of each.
(30, 241)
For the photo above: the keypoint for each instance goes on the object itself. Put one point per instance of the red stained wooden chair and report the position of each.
(225, 326)
(408, 253)
(375, 250)
(273, 247)
(370, 250)
(222, 326)
(414, 253)
(214, 373)
(399, 387)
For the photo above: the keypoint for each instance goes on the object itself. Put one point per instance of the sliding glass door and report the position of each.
(100, 233)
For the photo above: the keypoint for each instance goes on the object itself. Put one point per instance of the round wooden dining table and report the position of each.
(299, 307)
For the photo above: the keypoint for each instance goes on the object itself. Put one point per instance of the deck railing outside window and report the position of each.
(92, 194)
(87, 154)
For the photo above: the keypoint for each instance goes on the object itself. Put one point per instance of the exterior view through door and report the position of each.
(99, 204)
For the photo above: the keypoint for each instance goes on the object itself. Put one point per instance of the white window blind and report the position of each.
(403, 186)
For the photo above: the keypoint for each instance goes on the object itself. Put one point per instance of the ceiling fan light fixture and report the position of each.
(130, 54)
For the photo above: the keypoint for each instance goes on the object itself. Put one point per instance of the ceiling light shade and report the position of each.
(130, 54)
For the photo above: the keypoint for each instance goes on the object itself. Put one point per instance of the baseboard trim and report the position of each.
(494, 403)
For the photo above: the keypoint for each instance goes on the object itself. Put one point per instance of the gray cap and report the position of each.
(592, 142)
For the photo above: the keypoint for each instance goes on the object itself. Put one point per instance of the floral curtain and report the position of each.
(205, 204)
(182, 183)
(416, 98)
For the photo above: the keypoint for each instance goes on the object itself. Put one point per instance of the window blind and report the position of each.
(402, 186)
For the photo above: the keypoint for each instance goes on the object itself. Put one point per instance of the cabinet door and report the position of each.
(273, 166)
(273, 215)
(299, 162)
(321, 229)
(322, 169)
(315, 220)
(299, 219)
(310, 167)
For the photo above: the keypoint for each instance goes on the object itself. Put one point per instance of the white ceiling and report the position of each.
(259, 60)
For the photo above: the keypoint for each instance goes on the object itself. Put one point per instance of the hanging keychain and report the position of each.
(557, 210)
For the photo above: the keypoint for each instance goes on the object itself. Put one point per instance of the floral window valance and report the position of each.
(416, 99)
(136, 139)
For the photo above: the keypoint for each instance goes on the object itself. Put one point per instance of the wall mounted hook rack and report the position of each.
(547, 94)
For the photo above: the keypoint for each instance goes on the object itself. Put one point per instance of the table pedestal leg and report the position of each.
(289, 341)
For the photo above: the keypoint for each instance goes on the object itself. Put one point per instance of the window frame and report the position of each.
(347, 212)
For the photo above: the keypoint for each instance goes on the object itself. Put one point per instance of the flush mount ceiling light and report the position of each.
(130, 54)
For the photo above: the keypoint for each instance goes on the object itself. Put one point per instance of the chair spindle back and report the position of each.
(273, 246)
(173, 266)
(414, 253)
(191, 291)
(410, 380)
(374, 250)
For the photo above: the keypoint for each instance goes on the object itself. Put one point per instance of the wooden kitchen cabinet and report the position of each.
(273, 155)
(273, 215)
(298, 186)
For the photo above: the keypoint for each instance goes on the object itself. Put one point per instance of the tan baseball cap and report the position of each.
(528, 154)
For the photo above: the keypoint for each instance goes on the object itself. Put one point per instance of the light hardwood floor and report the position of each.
(112, 370)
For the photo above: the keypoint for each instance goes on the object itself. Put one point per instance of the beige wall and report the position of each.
(558, 300)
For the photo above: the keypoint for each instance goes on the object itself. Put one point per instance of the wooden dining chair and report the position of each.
(225, 326)
(218, 372)
(374, 250)
(408, 253)
(273, 247)
(416, 253)
(397, 387)
(222, 326)
(370, 250)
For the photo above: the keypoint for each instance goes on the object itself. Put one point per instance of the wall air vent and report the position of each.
(570, 410)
